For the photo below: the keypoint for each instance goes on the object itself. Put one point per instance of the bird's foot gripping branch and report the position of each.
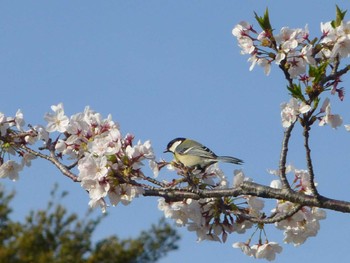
(193, 190)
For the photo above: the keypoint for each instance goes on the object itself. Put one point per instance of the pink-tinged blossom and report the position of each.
(336, 41)
(290, 111)
(289, 168)
(213, 176)
(27, 159)
(307, 55)
(181, 212)
(302, 225)
(276, 184)
(19, 120)
(304, 181)
(242, 29)
(10, 169)
(341, 47)
(238, 178)
(97, 189)
(264, 38)
(262, 62)
(342, 43)
(288, 38)
(57, 121)
(255, 205)
(328, 32)
(154, 167)
(296, 65)
(103, 145)
(334, 120)
(4, 125)
(245, 248)
(69, 146)
(268, 251)
(42, 134)
(92, 168)
(140, 152)
(247, 45)
(202, 232)
(124, 193)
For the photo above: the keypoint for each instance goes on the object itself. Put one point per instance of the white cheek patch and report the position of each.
(175, 144)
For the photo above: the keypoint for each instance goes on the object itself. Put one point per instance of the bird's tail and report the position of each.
(229, 159)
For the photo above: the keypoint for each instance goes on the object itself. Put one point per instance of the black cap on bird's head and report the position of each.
(170, 145)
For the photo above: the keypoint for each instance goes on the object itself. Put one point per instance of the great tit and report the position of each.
(192, 154)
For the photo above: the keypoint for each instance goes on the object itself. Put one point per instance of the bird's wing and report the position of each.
(198, 150)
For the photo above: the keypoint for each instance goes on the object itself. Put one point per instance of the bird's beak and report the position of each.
(166, 151)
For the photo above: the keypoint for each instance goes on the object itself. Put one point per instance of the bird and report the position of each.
(192, 154)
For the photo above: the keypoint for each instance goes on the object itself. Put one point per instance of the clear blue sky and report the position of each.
(166, 69)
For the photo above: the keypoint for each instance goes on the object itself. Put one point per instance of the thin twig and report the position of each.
(52, 158)
(273, 219)
(153, 181)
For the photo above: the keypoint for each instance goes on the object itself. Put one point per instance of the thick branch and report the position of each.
(335, 75)
(309, 162)
(254, 189)
(283, 157)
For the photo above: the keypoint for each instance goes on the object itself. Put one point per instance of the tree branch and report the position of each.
(335, 75)
(283, 157)
(52, 158)
(309, 161)
(254, 189)
(274, 218)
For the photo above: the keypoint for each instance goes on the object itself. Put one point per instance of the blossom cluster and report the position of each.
(305, 222)
(214, 218)
(292, 48)
(267, 250)
(108, 164)
(293, 109)
(109, 167)
(9, 127)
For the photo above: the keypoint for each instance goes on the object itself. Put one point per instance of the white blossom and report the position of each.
(268, 251)
(290, 111)
(10, 169)
(57, 121)
(334, 120)
(246, 249)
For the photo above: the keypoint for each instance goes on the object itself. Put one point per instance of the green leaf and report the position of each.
(318, 72)
(339, 17)
(296, 92)
(264, 21)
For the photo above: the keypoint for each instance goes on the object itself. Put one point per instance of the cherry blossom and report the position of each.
(10, 169)
(267, 251)
(57, 121)
(334, 120)
(290, 111)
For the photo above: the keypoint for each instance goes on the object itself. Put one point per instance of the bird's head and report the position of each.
(173, 144)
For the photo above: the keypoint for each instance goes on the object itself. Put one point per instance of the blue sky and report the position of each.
(166, 69)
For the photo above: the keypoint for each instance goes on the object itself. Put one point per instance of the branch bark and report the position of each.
(283, 157)
(254, 189)
(53, 159)
(309, 161)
